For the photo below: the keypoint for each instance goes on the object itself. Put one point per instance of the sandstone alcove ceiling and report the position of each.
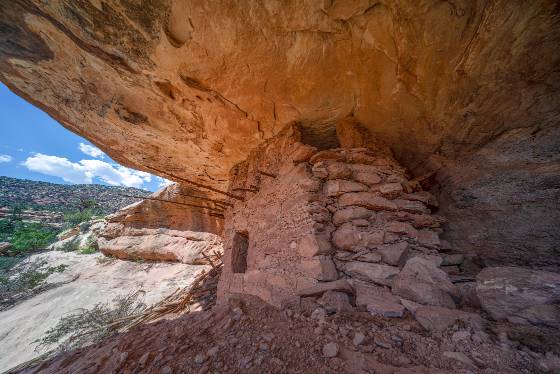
(467, 88)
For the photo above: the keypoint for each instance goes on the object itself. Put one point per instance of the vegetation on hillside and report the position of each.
(53, 197)
(26, 236)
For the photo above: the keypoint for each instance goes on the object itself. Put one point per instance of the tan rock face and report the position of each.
(176, 207)
(165, 227)
(188, 89)
(161, 82)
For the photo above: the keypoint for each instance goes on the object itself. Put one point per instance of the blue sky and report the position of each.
(35, 146)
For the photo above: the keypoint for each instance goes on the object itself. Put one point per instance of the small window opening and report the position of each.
(239, 252)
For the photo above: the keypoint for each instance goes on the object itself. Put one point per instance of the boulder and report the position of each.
(434, 318)
(320, 288)
(421, 281)
(411, 306)
(370, 272)
(435, 259)
(505, 291)
(335, 302)
(378, 300)
(451, 270)
(336, 187)
(83, 236)
(161, 245)
(369, 257)
(349, 214)
(540, 315)
(467, 292)
(460, 357)
(367, 200)
(454, 259)
(5, 247)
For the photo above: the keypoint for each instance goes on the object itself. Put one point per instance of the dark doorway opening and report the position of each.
(239, 252)
(319, 135)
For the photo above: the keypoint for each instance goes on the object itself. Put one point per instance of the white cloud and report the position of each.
(5, 158)
(164, 182)
(85, 171)
(91, 150)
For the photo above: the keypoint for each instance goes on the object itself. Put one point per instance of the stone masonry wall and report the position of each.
(344, 219)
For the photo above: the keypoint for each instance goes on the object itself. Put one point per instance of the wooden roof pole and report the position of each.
(205, 198)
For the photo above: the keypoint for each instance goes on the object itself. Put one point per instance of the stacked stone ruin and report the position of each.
(343, 224)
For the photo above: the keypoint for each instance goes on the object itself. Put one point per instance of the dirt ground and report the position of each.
(246, 335)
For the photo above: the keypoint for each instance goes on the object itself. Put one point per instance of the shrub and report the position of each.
(30, 236)
(75, 218)
(88, 326)
(87, 250)
(17, 282)
(7, 228)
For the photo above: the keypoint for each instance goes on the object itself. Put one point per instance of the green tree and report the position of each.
(75, 218)
(32, 236)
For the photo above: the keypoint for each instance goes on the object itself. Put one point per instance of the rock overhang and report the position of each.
(179, 85)
(163, 86)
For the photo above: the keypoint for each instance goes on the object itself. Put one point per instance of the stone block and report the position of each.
(338, 170)
(392, 254)
(340, 285)
(428, 238)
(336, 187)
(314, 245)
(319, 170)
(402, 228)
(378, 300)
(438, 319)
(350, 213)
(347, 237)
(327, 155)
(370, 257)
(423, 282)
(411, 206)
(390, 190)
(367, 200)
(366, 178)
(321, 268)
(370, 272)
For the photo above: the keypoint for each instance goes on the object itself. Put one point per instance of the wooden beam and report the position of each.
(267, 174)
(206, 199)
